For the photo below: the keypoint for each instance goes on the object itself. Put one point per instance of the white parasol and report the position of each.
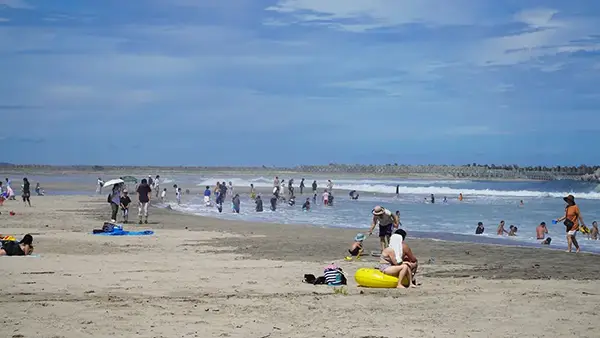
(113, 182)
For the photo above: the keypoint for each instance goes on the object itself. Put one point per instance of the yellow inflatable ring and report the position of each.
(373, 278)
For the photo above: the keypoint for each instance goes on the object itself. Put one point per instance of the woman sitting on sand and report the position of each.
(14, 248)
(398, 260)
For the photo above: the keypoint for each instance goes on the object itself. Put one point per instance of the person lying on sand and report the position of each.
(14, 248)
(398, 260)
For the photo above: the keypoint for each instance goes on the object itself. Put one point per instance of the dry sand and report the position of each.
(202, 277)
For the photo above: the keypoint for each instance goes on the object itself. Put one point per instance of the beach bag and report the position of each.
(109, 198)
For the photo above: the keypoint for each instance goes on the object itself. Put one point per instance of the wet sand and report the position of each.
(203, 277)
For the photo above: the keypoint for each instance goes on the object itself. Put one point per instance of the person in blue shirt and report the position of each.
(207, 196)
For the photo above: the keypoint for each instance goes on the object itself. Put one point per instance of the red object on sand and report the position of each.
(12, 213)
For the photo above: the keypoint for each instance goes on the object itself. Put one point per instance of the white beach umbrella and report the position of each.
(113, 182)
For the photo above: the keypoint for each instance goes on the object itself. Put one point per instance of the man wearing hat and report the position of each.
(387, 221)
(572, 219)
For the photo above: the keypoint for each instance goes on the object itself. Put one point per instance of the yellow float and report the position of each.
(584, 229)
(373, 278)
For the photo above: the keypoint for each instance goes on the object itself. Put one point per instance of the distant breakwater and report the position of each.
(471, 171)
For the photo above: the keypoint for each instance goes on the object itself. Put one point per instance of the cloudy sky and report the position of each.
(253, 82)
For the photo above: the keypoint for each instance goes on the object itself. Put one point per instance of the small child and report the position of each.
(163, 195)
(125, 201)
(357, 247)
(178, 196)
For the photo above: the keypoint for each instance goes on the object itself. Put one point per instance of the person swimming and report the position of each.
(292, 201)
(501, 231)
(353, 195)
(512, 230)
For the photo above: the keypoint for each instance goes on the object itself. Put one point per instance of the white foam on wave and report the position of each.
(416, 187)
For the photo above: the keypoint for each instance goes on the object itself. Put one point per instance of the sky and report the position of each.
(290, 82)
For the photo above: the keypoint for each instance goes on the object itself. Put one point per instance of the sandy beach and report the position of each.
(203, 277)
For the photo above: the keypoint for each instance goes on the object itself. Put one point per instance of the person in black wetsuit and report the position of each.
(301, 186)
(432, 199)
(273, 203)
(353, 195)
(26, 191)
(259, 204)
(292, 201)
(14, 248)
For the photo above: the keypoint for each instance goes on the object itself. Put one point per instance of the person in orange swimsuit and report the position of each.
(572, 219)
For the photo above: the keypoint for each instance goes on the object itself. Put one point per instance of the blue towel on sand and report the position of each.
(117, 232)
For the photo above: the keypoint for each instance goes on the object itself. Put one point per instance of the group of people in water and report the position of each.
(572, 220)
(222, 190)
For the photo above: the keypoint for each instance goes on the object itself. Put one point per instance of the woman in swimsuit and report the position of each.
(13, 248)
(403, 268)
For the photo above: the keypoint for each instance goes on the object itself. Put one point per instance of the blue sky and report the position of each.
(253, 82)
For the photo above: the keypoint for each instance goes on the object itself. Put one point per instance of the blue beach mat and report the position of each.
(117, 232)
(32, 256)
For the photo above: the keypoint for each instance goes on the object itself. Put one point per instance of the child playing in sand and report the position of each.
(357, 247)
(125, 201)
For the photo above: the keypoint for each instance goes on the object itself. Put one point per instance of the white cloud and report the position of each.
(20, 4)
(4, 20)
(544, 36)
(538, 17)
(362, 15)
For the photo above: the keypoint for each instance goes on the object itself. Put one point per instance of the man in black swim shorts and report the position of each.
(387, 221)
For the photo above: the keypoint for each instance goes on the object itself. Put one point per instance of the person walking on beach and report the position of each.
(99, 186)
(387, 223)
(314, 187)
(397, 190)
(144, 192)
(26, 191)
(115, 201)
(330, 186)
(163, 195)
(252, 191)
(571, 220)
(301, 186)
(125, 201)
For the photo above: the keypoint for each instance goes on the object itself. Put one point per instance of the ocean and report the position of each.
(484, 201)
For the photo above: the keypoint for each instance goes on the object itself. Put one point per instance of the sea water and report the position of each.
(484, 201)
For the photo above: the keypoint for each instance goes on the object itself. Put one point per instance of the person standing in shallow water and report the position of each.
(480, 229)
(314, 187)
(301, 186)
(259, 204)
(571, 219)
